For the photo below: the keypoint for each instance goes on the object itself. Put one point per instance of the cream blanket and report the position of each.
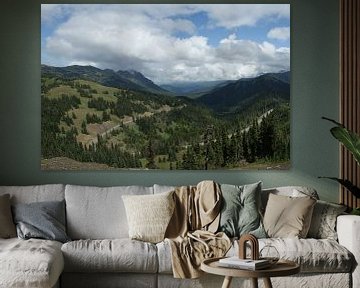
(191, 231)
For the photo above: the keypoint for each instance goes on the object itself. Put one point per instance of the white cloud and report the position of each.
(280, 33)
(119, 37)
(246, 15)
(50, 13)
(180, 25)
(244, 58)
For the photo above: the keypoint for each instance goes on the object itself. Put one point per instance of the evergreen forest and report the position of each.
(242, 124)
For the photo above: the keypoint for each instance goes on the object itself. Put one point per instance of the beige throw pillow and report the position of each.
(149, 215)
(288, 217)
(7, 226)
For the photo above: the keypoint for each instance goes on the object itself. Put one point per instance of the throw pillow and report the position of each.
(7, 226)
(240, 213)
(288, 217)
(44, 220)
(323, 222)
(149, 215)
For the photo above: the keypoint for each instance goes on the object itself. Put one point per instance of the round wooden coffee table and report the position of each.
(281, 268)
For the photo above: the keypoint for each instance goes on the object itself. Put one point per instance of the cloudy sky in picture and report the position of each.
(169, 42)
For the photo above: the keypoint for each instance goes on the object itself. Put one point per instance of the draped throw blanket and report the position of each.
(191, 231)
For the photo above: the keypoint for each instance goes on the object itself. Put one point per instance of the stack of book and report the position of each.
(248, 264)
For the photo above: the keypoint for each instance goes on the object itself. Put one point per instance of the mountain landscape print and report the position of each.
(165, 86)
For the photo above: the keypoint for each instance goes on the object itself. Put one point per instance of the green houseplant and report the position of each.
(351, 141)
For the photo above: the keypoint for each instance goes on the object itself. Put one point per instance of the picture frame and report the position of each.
(165, 86)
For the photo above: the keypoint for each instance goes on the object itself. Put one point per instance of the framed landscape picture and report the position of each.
(165, 86)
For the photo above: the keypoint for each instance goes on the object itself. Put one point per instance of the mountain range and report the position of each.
(193, 89)
(243, 93)
(130, 79)
(220, 96)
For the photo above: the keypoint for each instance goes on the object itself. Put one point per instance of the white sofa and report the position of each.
(101, 254)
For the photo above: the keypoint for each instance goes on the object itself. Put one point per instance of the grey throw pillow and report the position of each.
(44, 220)
(7, 226)
(240, 213)
(323, 222)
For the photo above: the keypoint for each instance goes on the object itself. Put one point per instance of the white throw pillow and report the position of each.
(149, 215)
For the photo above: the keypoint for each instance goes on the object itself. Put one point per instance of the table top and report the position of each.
(281, 268)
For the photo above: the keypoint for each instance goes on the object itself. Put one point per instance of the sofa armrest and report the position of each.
(348, 230)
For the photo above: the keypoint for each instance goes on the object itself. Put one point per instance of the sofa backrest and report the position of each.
(36, 193)
(163, 188)
(98, 212)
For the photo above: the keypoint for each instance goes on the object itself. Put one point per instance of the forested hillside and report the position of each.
(234, 126)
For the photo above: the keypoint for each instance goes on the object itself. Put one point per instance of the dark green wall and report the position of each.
(314, 92)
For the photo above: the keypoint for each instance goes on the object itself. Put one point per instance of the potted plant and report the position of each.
(351, 141)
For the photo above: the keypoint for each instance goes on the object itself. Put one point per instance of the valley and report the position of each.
(122, 120)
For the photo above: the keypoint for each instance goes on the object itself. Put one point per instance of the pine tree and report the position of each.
(105, 116)
(253, 141)
(171, 155)
(267, 137)
(150, 156)
(245, 146)
(83, 128)
(208, 139)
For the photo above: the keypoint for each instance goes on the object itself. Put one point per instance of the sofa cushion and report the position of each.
(287, 216)
(164, 257)
(314, 255)
(149, 215)
(116, 255)
(98, 213)
(43, 220)
(30, 263)
(36, 193)
(7, 226)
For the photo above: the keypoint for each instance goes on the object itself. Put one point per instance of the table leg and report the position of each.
(267, 283)
(254, 282)
(227, 282)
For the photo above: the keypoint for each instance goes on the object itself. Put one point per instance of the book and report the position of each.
(236, 262)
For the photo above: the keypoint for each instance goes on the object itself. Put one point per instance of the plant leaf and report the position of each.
(333, 121)
(349, 139)
(347, 184)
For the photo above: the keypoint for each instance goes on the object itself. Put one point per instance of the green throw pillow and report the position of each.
(240, 213)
